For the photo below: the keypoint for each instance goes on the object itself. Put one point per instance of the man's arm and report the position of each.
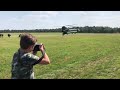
(45, 59)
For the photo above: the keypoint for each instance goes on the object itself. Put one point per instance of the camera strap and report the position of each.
(19, 59)
(19, 56)
(38, 61)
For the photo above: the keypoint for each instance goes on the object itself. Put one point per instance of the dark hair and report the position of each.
(27, 40)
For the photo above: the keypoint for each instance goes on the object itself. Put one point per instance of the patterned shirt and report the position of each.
(22, 65)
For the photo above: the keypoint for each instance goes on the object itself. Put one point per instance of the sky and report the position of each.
(56, 19)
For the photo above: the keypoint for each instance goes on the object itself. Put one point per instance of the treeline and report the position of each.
(86, 29)
(33, 30)
(98, 29)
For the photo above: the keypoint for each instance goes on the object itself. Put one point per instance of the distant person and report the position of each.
(19, 35)
(25, 58)
(1, 35)
(9, 35)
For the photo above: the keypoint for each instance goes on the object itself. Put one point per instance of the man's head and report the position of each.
(27, 41)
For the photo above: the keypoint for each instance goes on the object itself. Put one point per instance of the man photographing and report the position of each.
(25, 58)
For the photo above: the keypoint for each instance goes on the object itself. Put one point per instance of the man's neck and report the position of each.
(24, 50)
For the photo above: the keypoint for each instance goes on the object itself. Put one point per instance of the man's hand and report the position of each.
(42, 47)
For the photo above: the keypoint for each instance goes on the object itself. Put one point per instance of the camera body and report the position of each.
(36, 48)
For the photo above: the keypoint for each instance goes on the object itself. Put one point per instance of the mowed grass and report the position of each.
(73, 56)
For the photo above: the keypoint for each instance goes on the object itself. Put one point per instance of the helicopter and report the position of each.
(69, 29)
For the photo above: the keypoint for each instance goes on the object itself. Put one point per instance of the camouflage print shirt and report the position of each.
(22, 67)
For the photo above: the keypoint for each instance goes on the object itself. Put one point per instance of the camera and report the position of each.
(36, 48)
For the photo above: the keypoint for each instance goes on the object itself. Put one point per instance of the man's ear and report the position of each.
(31, 46)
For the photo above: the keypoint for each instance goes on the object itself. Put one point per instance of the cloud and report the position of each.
(35, 16)
(80, 12)
(46, 19)
(32, 20)
(47, 13)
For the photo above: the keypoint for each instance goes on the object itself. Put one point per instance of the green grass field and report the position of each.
(73, 56)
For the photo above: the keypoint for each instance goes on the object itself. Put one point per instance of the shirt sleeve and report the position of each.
(29, 59)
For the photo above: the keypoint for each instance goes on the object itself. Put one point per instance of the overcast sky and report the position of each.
(55, 19)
